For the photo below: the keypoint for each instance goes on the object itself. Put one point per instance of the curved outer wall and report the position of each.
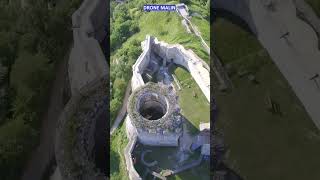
(237, 7)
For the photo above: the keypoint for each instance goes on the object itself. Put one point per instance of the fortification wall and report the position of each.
(187, 59)
(156, 139)
(87, 61)
(88, 77)
(77, 152)
(133, 174)
(306, 13)
(181, 56)
(141, 63)
(130, 129)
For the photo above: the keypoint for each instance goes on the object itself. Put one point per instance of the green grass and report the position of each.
(204, 27)
(231, 41)
(165, 156)
(315, 4)
(262, 145)
(167, 26)
(117, 161)
(195, 109)
(201, 172)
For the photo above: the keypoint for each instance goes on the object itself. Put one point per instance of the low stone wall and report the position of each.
(133, 175)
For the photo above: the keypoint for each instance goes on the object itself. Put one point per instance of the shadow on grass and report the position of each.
(193, 130)
(114, 162)
(232, 18)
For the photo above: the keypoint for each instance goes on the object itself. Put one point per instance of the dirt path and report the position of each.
(40, 158)
(123, 110)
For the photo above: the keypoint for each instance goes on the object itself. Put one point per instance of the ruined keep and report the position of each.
(153, 112)
(154, 115)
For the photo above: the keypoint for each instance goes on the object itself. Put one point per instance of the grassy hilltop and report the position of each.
(129, 27)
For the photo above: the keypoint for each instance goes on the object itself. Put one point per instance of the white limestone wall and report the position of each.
(237, 7)
(133, 174)
(156, 139)
(296, 56)
(187, 59)
(149, 138)
(87, 61)
(141, 63)
(130, 129)
(181, 56)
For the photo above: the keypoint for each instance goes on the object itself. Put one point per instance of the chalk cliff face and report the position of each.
(78, 150)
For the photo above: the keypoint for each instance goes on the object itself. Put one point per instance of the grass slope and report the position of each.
(262, 145)
(315, 4)
(195, 109)
(167, 26)
(117, 161)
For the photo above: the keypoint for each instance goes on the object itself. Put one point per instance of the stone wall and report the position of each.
(286, 53)
(133, 174)
(87, 61)
(155, 139)
(170, 139)
(141, 64)
(306, 13)
(88, 77)
(237, 7)
(186, 58)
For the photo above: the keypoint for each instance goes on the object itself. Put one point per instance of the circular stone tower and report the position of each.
(154, 115)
